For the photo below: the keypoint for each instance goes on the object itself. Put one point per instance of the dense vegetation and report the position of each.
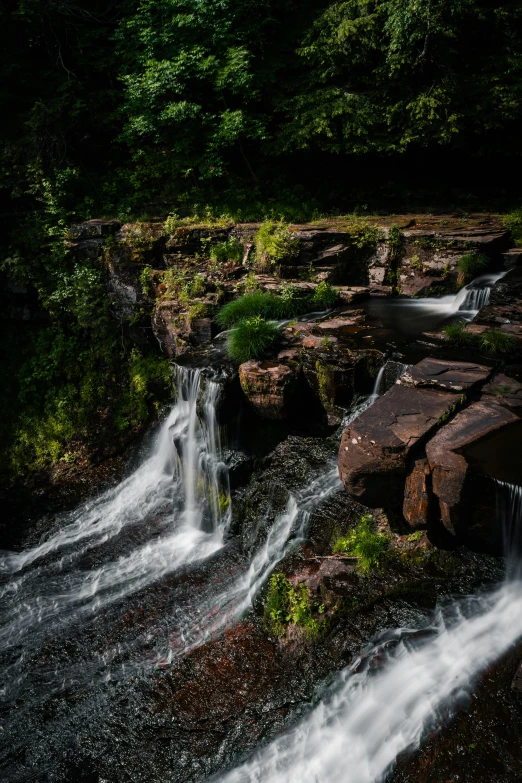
(249, 110)
(129, 105)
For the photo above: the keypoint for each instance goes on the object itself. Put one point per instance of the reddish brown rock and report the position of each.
(506, 390)
(268, 386)
(449, 467)
(416, 494)
(437, 374)
(375, 446)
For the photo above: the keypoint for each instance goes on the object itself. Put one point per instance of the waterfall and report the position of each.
(412, 316)
(175, 506)
(401, 687)
(509, 514)
(374, 712)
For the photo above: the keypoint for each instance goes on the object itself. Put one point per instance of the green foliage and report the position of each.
(458, 334)
(251, 338)
(145, 280)
(324, 295)
(417, 536)
(231, 250)
(365, 543)
(497, 341)
(172, 223)
(197, 310)
(257, 303)
(286, 604)
(143, 371)
(274, 242)
(471, 265)
(513, 221)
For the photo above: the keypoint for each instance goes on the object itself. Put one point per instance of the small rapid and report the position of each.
(412, 316)
(397, 690)
(178, 500)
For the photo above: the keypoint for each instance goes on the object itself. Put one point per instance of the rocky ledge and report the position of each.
(430, 448)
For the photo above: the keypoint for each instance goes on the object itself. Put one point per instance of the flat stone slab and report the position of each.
(449, 467)
(438, 374)
(375, 446)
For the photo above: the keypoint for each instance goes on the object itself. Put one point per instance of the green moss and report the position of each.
(197, 310)
(145, 280)
(417, 536)
(325, 384)
(365, 543)
(251, 338)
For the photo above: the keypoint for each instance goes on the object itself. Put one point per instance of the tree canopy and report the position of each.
(123, 103)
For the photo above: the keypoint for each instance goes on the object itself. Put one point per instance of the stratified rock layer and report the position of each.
(375, 446)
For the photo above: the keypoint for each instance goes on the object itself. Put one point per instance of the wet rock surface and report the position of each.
(134, 703)
(481, 744)
(375, 447)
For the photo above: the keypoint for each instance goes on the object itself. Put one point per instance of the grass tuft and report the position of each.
(251, 338)
(496, 341)
(458, 334)
(471, 265)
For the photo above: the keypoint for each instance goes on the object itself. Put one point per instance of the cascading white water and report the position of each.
(418, 315)
(181, 492)
(509, 513)
(367, 718)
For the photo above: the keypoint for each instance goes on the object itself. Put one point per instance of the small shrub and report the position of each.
(274, 242)
(231, 250)
(513, 222)
(173, 280)
(365, 543)
(458, 334)
(172, 223)
(471, 265)
(417, 536)
(324, 295)
(145, 280)
(286, 604)
(251, 338)
(497, 341)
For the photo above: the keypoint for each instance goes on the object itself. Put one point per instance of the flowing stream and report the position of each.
(371, 714)
(131, 547)
(413, 316)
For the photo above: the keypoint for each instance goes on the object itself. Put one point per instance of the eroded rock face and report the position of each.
(269, 386)
(449, 467)
(416, 494)
(375, 446)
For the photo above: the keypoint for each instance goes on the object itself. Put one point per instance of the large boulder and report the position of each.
(448, 464)
(269, 386)
(375, 447)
